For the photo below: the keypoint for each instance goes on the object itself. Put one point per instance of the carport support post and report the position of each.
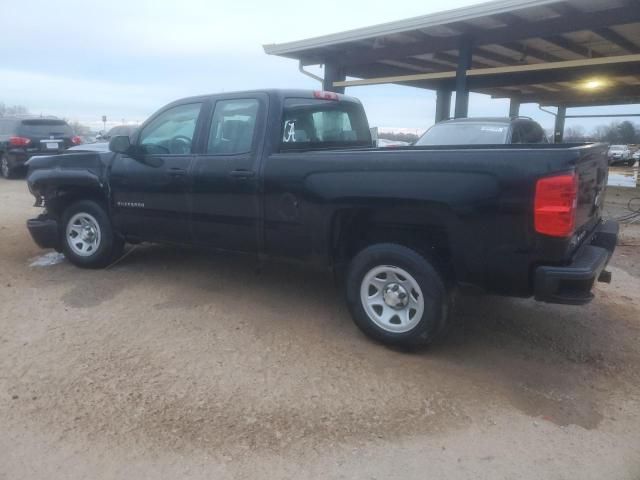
(443, 105)
(462, 87)
(514, 107)
(333, 73)
(558, 131)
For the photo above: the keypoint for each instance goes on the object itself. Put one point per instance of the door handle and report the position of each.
(242, 174)
(177, 172)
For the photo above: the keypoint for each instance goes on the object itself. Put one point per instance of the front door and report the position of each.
(151, 186)
(226, 203)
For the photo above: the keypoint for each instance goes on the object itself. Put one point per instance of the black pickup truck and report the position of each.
(293, 175)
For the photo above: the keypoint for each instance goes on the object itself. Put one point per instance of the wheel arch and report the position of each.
(63, 196)
(421, 228)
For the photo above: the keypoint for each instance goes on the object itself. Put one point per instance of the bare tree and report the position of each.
(618, 133)
(79, 128)
(575, 134)
(12, 109)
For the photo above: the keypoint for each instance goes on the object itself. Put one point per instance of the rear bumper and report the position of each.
(44, 231)
(571, 284)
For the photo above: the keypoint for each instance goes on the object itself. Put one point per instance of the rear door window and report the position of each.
(44, 128)
(318, 124)
(232, 126)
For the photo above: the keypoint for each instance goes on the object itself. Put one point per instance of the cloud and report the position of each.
(125, 59)
(83, 99)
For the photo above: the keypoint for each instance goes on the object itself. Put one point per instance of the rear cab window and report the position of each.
(310, 124)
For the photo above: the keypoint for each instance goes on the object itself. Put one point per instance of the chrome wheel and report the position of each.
(83, 234)
(392, 298)
(4, 167)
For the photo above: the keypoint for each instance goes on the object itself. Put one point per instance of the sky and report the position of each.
(125, 59)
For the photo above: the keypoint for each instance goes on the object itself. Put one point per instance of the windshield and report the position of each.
(314, 123)
(45, 128)
(465, 134)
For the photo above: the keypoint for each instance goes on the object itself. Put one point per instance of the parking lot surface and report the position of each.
(184, 364)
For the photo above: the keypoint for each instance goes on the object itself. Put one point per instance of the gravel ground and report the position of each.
(178, 364)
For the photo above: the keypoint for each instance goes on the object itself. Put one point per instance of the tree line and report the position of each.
(12, 110)
(616, 133)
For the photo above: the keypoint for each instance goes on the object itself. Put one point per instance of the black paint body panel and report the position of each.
(478, 200)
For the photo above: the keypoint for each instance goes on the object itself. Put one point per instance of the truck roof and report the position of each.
(272, 92)
(502, 120)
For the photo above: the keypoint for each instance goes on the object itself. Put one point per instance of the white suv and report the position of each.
(619, 154)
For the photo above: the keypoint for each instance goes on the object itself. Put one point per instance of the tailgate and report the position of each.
(592, 169)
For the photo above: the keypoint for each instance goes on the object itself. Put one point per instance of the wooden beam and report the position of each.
(563, 8)
(452, 60)
(574, 96)
(509, 19)
(415, 64)
(495, 57)
(397, 79)
(488, 72)
(568, 45)
(536, 67)
(617, 39)
(527, 51)
(573, 76)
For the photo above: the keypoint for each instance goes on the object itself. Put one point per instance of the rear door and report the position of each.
(151, 187)
(226, 202)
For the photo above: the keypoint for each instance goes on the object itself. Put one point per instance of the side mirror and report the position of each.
(120, 144)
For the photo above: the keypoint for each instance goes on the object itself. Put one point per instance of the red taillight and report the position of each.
(555, 205)
(326, 95)
(76, 140)
(19, 141)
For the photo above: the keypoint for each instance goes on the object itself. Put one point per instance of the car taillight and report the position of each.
(76, 140)
(325, 95)
(555, 205)
(19, 141)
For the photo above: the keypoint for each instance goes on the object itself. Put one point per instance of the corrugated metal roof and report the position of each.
(503, 32)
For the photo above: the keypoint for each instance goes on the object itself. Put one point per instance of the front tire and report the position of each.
(88, 239)
(396, 296)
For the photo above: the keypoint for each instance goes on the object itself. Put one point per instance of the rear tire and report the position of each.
(396, 296)
(87, 237)
(5, 167)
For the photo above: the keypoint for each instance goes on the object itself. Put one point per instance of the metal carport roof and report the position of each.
(567, 52)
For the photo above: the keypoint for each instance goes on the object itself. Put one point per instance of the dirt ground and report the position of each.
(178, 364)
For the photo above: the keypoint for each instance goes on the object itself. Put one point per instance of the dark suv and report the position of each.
(23, 137)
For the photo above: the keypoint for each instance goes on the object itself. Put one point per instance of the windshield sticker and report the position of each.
(289, 135)
(493, 129)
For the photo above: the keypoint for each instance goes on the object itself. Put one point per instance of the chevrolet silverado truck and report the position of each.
(286, 174)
